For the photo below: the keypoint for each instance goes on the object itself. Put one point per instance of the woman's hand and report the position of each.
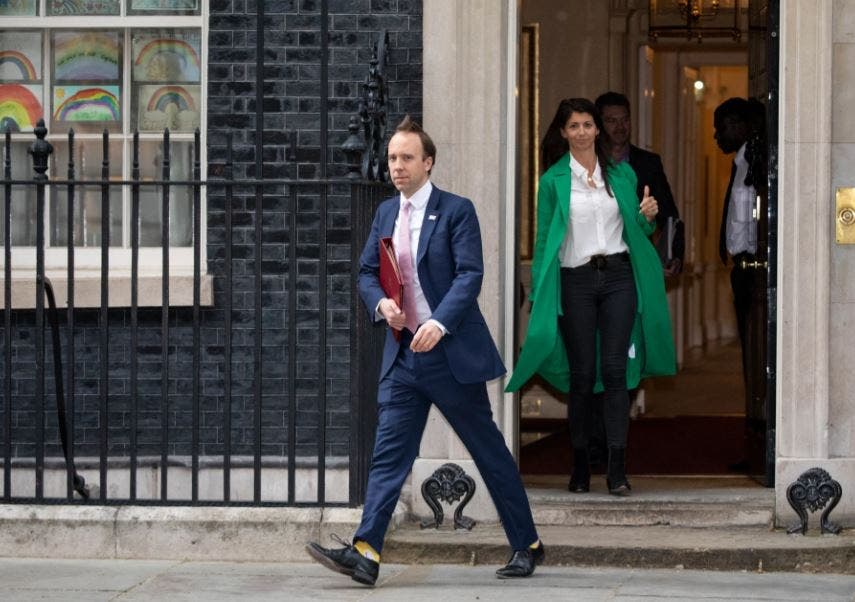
(649, 207)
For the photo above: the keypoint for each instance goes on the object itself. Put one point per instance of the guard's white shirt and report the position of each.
(741, 229)
(596, 226)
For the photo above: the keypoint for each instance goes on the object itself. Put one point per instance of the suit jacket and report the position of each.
(450, 267)
(651, 350)
(648, 168)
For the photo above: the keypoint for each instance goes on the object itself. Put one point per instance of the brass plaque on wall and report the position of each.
(845, 216)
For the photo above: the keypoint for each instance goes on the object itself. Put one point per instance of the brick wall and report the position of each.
(291, 103)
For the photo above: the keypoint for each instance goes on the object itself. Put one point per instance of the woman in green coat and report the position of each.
(599, 317)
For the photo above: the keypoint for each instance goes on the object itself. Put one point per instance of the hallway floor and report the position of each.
(689, 424)
(708, 384)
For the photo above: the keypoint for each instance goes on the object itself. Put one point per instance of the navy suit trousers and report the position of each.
(415, 381)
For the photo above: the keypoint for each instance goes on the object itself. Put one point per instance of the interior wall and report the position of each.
(698, 172)
(721, 83)
(574, 33)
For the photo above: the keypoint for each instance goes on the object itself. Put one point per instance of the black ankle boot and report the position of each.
(616, 475)
(580, 480)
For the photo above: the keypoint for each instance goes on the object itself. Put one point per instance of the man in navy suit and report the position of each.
(444, 357)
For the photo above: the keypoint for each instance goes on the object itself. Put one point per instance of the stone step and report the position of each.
(677, 502)
(744, 548)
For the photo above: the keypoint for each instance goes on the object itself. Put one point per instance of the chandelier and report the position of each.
(693, 19)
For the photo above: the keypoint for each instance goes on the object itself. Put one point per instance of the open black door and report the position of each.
(760, 376)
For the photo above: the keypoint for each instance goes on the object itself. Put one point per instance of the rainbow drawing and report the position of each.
(167, 95)
(82, 103)
(172, 106)
(13, 62)
(170, 59)
(20, 107)
(86, 55)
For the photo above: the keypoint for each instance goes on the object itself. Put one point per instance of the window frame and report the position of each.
(88, 259)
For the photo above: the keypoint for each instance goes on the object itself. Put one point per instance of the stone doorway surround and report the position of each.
(816, 290)
(470, 110)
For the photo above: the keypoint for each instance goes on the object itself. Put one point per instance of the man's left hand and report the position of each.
(426, 338)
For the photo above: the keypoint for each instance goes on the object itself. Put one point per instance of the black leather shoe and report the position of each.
(622, 489)
(616, 475)
(346, 561)
(580, 479)
(575, 486)
(522, 563)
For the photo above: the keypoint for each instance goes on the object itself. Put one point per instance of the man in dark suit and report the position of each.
(444, 356)
(732, 120)
(617, 121)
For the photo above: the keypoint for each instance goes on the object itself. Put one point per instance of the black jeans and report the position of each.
(598, 297)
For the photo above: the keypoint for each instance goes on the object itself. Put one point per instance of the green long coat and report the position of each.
(651, 351)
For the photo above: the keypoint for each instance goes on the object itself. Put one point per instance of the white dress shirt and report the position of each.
(741, 229)
(596, 226)
(419, 200)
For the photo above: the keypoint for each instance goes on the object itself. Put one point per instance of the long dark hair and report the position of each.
(554, 146)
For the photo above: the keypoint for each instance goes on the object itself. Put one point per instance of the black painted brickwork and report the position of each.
(291, 102)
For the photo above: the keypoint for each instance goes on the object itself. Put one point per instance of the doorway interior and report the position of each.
(694, 423)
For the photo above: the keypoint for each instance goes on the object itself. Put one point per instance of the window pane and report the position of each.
(20, 107)
(180, 197)
(88, 156)
(84, 56)
(87, 81)
(23, 197)
(163, 7)
(166, 64)
(25, 8)
(161, 107)
(21, 92)
(167, 55)
(21, 56)
(83, 7)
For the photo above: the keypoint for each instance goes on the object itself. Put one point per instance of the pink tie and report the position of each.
(405, 263)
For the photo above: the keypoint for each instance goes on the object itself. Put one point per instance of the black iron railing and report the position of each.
(142, 438)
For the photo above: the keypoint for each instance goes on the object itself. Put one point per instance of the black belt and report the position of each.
(601, 261)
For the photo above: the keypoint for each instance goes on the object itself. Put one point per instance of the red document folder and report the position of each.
(390, 276)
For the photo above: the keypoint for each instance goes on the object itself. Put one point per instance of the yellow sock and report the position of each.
(535, 545)
(366, 550)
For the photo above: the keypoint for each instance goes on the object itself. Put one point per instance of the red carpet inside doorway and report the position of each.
(657, 446)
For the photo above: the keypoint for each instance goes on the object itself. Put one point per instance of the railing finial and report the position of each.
(372, 111)
(354, 149)
(40, 150)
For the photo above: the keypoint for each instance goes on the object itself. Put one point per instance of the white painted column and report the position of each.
(470, 51)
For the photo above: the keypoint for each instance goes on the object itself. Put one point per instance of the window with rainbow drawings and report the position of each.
(118, 79)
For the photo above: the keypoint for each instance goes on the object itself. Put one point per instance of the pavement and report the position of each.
(144, 580)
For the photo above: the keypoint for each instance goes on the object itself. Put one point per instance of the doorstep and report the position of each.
(695, 522)
(744, 548)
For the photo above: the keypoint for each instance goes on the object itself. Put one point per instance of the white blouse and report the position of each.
(596, 226)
